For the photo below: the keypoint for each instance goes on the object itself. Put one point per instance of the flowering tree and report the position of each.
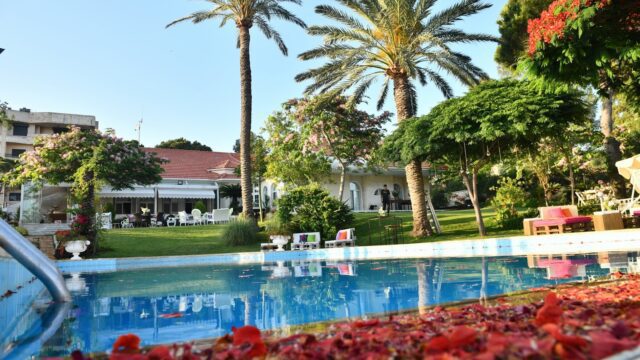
(590, 42)
(86, 159)
(338, 130)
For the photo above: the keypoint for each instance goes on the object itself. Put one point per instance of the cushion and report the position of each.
(311, 238)
(342, 235)
(556, 213)
(636, 212)
(303, 238)
(567, 212)
(577, 219)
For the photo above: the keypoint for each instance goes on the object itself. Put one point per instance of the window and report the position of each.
(60, 130)
(188, 206)
(123, 206)
(14, 196)
(20, 129)
(16, 152)
(397, 191)
(170, 206)
(354, 191)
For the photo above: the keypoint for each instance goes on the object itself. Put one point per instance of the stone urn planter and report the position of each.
(76, 247)
(280, 240)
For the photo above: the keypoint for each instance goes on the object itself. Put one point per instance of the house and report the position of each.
(189, 176)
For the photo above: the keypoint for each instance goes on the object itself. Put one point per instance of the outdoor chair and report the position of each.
(222, 215)
(125, 223)
(208, 218)
(559, 220)
(183, 219)
(346, 237)
(304, 241)
(196, 216)
(171, 221)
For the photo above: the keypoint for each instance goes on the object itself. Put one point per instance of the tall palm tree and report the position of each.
(401, 41)
(246, 13)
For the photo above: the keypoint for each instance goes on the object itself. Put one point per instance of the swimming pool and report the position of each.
(166, 305)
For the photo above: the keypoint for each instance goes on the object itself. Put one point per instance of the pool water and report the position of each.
(179, 304)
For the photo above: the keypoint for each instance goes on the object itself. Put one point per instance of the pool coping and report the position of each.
(586, 242)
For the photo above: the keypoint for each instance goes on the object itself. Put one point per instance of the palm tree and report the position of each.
(402, 41)
(246, 13)
(232, 191)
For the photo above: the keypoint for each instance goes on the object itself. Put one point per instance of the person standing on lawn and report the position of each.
(386, 198)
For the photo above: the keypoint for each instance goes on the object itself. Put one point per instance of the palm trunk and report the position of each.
(245, 121)
(415, 181)
(343, 172)
(472, 188)
(611, 145)
(87, 208)
(260, 195)
(572, 179)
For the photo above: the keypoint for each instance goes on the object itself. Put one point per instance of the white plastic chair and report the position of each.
(197, 217)
(183, 218)
(171, 221)
(104, 220)
(222, 215)
(208, 218)
(126, 224)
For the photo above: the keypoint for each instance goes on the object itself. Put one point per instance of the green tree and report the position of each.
(401, 41)
(184, 144)
(244, 14)
(512, 26)
(339, 131)
(233, 192)
(494, 118)
(5, 119)
(86, 159)
(590, 43)
(288, 161)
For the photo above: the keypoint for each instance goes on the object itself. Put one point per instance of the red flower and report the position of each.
(249, 337)
(126, 344)
(160, 353)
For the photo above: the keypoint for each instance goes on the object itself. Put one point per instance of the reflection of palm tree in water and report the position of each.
(485, 280)
(425, 280)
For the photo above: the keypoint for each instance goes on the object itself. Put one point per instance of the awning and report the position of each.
(186, 194)
(138, 192)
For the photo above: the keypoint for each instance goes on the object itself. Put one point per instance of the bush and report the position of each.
(240, 232)
(589, 208)
(274, 226)
(439, 199)
(200, 206)
(311, 208)
(109, 208)
(21, 230)
(509, 196)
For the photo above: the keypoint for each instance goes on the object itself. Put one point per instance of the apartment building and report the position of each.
(19, 136)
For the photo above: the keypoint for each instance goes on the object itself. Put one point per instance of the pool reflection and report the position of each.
(180, 304)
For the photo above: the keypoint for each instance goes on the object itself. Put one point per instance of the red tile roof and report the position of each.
(194, 164)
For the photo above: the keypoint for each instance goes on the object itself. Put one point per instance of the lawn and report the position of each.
(191, 240)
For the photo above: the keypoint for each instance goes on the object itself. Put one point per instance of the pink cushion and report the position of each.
(577, 219)
(636, 213)
(563, 221)
(556, 213)
(567, 213)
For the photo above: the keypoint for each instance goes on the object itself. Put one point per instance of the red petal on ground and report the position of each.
(127, 344)
(160, 353)
(246, 334)
(461, 336)
(569, 340)
(550, 312)
(603, 344)
(438, 343)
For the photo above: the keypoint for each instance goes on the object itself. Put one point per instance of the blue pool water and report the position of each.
(180, 304)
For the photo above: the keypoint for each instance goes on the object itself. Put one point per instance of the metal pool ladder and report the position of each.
(35, 261)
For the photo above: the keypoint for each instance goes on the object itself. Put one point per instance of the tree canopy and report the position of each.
(494, 119)
(512, 26)
(184, 144)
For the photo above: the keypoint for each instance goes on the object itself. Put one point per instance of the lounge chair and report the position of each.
(304, 241)
(346, 237)
(559, 220)
(104, 220)
(222, 215)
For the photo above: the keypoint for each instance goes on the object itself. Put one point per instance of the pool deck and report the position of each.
(573, 243)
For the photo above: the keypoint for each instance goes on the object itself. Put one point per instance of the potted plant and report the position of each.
(73, 241)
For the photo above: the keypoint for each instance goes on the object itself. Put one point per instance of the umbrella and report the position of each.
(628, 166)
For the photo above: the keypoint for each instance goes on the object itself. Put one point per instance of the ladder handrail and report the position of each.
(35, 261)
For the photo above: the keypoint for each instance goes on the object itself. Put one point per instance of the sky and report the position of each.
(115, 60)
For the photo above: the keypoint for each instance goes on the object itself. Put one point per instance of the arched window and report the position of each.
(274, 195)
(354, 192)
(265, 196)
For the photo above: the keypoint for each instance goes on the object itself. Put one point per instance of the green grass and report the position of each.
(190, 240)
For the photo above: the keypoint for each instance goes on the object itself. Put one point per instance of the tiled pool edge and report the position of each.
(510, 246)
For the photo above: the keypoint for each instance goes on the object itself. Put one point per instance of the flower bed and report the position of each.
(570, 322)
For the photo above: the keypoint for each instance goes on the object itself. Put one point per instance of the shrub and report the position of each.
(21, 230)
(274, 226)
(509, 196)
(200, 206)
(109, 208)
(240, 232)
(311, 208)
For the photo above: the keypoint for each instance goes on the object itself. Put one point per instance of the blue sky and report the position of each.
(115, 60)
